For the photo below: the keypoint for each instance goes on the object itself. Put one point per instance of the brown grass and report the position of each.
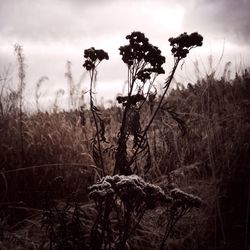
(212, 161)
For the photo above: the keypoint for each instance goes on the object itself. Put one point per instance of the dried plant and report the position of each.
(21, 75)
(211, 160)
(121, 202)
(37, 91)
(182, 203)
(144, 63)
(125, 197)
(93, 58)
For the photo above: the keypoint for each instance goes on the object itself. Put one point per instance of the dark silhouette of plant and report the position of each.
(144, 62)
(182, 44)
(121, 200)
(93, 58)
(182, 203)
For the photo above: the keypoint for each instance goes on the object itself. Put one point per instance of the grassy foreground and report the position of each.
(211, 160)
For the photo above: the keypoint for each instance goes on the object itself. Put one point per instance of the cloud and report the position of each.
(54, 31)
(46, 20)
(71, 20)
(224, 18)
(40, 20)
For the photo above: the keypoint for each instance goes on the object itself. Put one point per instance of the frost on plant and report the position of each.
(182, 203)
(121, 202)
(132, 190)
(125, 199)
(185, 199)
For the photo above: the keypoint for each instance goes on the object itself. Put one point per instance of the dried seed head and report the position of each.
(93, 56)
(139, 49)
(182, 44)
(130, 189)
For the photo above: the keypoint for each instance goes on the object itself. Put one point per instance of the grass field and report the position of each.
(200, 143)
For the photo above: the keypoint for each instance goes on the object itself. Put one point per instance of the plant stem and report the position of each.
(120, 156)
(21, 75)
(167, 84)
(95, 120)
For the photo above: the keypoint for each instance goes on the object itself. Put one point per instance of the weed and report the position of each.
(130, 196)
(211, 160)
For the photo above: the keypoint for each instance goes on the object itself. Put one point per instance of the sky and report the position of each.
(53, 32)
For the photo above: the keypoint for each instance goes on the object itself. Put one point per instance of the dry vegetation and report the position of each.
(47, 163)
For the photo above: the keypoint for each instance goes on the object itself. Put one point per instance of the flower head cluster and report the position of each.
(139, 49)
(132, 100)
(184, 42)
(101, 190)
(92, 56)
(132, 190)
(184, 199)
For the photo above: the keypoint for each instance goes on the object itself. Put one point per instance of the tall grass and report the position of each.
(211, 160)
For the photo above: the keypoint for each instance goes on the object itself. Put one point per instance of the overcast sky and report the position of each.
(54, 31)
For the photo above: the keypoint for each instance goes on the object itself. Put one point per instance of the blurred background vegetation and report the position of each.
(212, 161)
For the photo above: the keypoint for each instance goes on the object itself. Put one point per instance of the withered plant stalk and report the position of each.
(124, 195)
(94, 111)
(21, 75)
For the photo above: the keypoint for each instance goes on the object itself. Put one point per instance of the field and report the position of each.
(197, 145)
